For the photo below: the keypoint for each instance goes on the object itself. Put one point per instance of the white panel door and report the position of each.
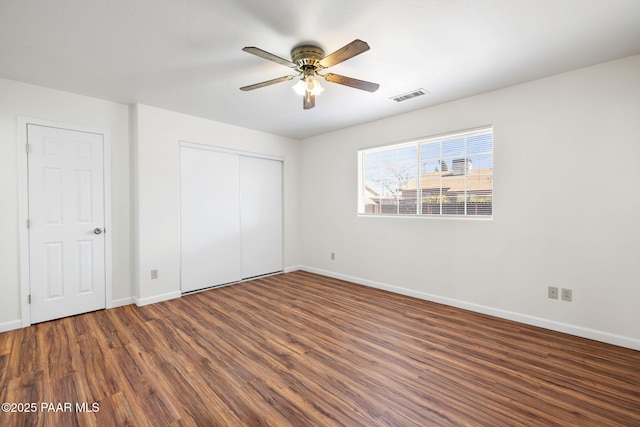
(66, 222)
(261, 216)
(209, 218)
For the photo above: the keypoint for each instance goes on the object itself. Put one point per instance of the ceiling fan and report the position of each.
(309, 60)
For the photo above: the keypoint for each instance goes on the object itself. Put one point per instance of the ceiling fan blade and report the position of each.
(267, 83)
(351, 82)
(270, 56)
(354, 48)
(309, 100)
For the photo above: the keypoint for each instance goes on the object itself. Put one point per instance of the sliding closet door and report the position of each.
(260, 216)
(209, 218)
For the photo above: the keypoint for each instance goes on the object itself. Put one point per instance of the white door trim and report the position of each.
(23, 192)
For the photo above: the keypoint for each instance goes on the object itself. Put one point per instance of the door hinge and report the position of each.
(28, 147)
(29, 299)
(28, 223)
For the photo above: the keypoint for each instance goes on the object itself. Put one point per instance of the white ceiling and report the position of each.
(185, 55)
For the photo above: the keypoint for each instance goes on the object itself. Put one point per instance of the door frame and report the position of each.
(23, 194)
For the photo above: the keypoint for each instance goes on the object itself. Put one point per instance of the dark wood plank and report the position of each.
(301, 349)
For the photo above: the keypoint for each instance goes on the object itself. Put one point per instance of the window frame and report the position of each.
(418, 144)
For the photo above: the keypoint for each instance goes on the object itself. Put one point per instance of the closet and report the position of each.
(230, 216)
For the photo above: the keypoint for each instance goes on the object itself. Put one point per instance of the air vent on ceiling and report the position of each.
(409, 95)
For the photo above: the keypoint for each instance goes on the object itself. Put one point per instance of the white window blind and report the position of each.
(449, 175)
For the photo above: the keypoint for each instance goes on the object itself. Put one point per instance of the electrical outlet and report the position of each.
(333, 256)
(154, 274)
(553, 292)
(566, 294)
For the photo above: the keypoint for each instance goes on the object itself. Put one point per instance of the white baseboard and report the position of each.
(294, 268)
(121, 302)
(9, 326)
(17, 324)
(579, 331)
(157, 298)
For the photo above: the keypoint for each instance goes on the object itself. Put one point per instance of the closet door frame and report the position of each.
(186, 144)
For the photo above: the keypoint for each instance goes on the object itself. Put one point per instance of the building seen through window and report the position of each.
(447, 175)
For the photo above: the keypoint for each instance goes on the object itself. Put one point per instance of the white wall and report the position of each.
(19, 99)
(145, 204)
(566, 209)
(157, 190)
(567, 139)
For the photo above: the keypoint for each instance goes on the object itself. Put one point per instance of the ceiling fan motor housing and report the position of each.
(307, 57)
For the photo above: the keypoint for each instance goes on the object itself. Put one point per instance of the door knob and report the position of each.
(97, 230)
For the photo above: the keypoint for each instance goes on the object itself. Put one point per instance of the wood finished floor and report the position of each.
(299, 349)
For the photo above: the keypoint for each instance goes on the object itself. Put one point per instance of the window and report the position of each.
(450, 175)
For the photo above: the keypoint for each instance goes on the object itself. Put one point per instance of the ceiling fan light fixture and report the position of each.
(299, 87)
(308, 84)
(313, 85)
